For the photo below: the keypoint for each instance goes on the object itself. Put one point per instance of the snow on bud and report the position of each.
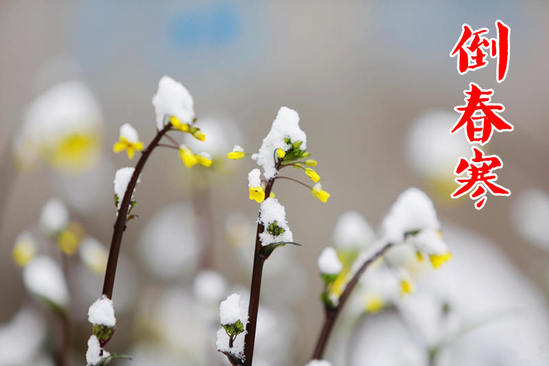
(121, 180)
(328, 262)
(319, 193)
(44, 278)
(273, 217)
(101, 312)
(232, 310)
(95, 355)
(237, 153)
(233, 317)
(54, 216)
(204, 159)
(284, 134)
(256, 191)
(172, 99)
(412, 212)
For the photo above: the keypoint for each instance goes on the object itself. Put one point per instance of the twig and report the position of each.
(295, 181)
(332, 313)
(255, 287)
(121, 219)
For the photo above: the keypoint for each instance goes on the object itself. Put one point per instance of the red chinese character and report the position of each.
(479, 116)
(480, 178)
(472, 46)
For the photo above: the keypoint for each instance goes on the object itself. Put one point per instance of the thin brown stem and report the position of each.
(295, 181)
(255, 287)
(121, 219)
(332, 313)
(168, 146)
(174, 141)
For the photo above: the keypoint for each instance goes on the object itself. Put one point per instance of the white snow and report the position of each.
(129, 133)
(270, 211)
(22, 337)
(54, 216)
(232, 309)
(352, 231)
(254, 178)
(121, 180)
(172, 99)
(238, 148)
(44, 278)
(222, 343)
(101, 312)
(95, 354)
(328, 262)
(209, 287)
(319, 363)
(285, 125)
(412, 211)
(429, 242)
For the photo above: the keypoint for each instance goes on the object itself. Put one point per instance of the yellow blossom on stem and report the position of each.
(280, 153)
(311, 162)
(437, 260)
(312, 174)
(177, 124)
(199, 135)
(257, 194)
(128, 140)
(237, 153)
(319, 193)
(187, 156)
(204, 159)
(68, 242)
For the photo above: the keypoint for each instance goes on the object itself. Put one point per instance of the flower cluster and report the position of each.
(284, 146)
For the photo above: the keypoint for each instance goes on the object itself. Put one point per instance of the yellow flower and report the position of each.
(280, 153)
(199, 135)
(312, 174)
(257, 194)
(176, 123)
(75, 152)
(311, 162)
(68, 242)
(204, 159)
(437, 260)
(187, 156)
(272, 195)
(24, 250)
(374, 303)
(406, 287)
(237, 153)
(319, 193)
(130, 147)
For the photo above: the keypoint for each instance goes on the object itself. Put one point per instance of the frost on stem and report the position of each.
(96, 355)
(172, 99)
(45, 279)
(273, 217)
(233, 316)
(121, 180)
(284, 133)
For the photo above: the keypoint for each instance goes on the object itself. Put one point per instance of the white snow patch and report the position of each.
(121, 180)
(352, 231)
(233, 309)
(44, 278)
(101, 312)
(328, 262)
(172, 99)
(254, 178)
(270, 211)
(95, 354)
(54, 216)
(129, 133)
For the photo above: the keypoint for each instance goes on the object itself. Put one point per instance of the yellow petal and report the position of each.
(68, 242)
(419, 256)
(272, 195)
(138, 146)
(131, 152)
(203, 160)
(188, 158)
(319, 193)
(311, 162)
(280, 153)
(199, 135)
(437, 260)
(257, 194)
(406, 287)
(312, 174)
(236, 155)
(118, 147)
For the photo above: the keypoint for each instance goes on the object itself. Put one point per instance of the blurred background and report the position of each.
(375, 90)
